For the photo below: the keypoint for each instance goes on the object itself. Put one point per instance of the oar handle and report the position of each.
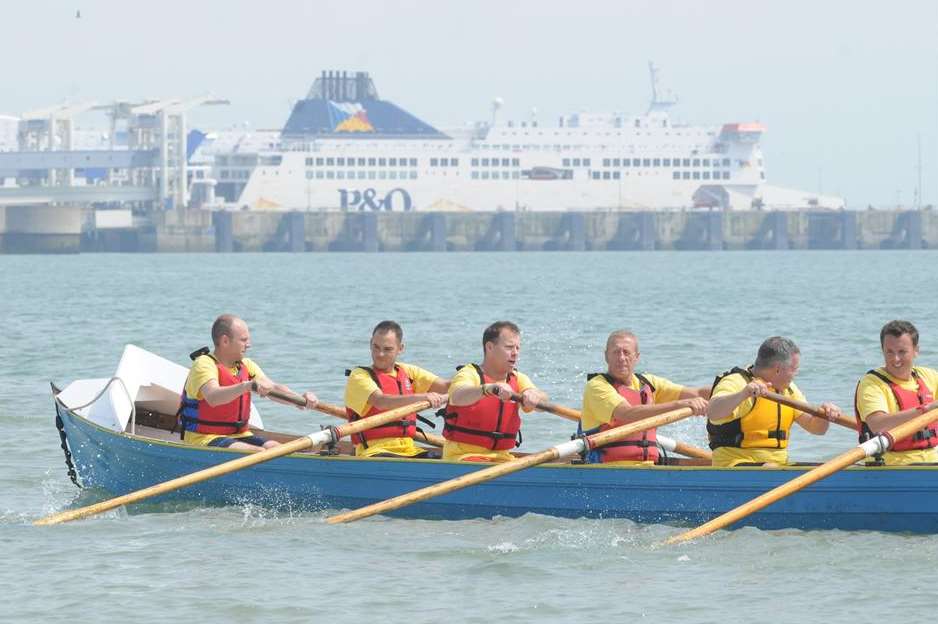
(339, 412)
(807, 408)
(544, 406)
(670, 445)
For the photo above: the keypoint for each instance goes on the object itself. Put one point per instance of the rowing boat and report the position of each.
(118, 434)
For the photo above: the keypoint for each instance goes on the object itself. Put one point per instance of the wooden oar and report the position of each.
(875, 446)
(807, 408)
(671, 445)
(339, 412)
(560, 451)
(326, 436)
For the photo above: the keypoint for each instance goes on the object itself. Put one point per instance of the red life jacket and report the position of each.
(398, 384)
(232, 417)
(489, 422)
(637, 447)
(906, 399)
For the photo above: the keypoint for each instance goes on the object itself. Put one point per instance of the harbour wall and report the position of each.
(44, 229)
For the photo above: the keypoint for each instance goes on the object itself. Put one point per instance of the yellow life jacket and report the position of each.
(766, 425)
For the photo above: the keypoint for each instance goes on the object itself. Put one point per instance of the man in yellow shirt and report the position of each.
(483, 423)
(216, 401)
(897, 392)
(385, 385)
(621, 396)
(744, 427)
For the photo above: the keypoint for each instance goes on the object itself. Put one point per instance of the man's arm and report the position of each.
(215, 394)
(625, 413)
(721, 406)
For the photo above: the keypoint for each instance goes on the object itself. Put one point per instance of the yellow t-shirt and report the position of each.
(203, 370)
(467, 376)
(600, 400)
(359, 388)
(873, 395)
(727, 456)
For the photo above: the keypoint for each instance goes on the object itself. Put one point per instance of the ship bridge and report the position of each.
(344, 106)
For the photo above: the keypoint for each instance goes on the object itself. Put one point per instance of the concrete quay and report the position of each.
(70, 229)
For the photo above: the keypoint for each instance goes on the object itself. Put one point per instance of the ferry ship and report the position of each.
(344, 148)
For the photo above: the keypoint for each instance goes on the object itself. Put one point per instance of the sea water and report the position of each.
(310, 316)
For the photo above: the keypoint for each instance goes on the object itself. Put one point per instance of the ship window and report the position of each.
(444, 162)
(434, 162)
(566, 162)
(615, 175)
(605, 162)
(309, 175)
(485, 175)
(382, 175)
(616, 162)
(576, 162)
(309, 162)
(475, 175)
(371, 162)
(382, 162)
(320, 175)
(330, 162)
(340, 175)
(392, 162)
(371, 175)
(762, 174)
(485, 162)
(586, 162)
(362, 174)
(330, 175)
(726, 175)
(726, 162)
(516, 175)
(696, 162)
(706, 162)
(706, 175)
(453, 162)
(646, 162)
(224, 175)
(319, 162)
(656, 162)
(606, 175)
(361, 162)
(475, 162)
(676, 175)
(393, 175)
(413, 175)
(413, 163)
(340, 162)
(696, 175)
(686, 175)
(687, 162)
(667, 162)
(595, 175)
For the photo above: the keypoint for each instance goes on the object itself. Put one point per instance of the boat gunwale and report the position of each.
(412, 460)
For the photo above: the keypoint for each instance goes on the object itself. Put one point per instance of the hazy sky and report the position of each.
(845, 88)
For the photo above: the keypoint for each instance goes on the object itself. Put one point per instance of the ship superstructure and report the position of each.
(344, 148)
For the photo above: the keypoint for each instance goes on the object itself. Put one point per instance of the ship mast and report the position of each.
(661, 98)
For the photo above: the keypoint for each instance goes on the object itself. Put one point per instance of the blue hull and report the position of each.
(860, 498)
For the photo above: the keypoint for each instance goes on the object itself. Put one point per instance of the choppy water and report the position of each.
(310, 316)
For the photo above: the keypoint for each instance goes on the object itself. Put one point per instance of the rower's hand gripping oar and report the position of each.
(563, 450)
(877, 445)
(669, 444)
(318, 438)
(812, 410)
(339, 412)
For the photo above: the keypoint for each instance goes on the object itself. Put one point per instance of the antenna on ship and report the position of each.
(661, 98)
(496, 105)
